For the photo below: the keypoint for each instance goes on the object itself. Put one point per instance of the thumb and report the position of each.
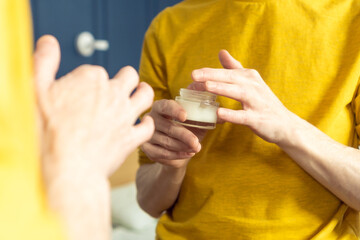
(227, 61)
(46, 62)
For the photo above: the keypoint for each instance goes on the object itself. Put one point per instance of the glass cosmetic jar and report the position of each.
(200, 107)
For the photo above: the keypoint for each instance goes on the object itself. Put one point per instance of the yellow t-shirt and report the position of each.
(24, 213)
(239, 186)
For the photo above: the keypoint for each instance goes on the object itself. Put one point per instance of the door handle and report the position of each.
(86, 44)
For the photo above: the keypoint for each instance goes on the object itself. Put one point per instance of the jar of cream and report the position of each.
(200, 107)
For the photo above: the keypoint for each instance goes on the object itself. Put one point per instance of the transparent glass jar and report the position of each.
(200, 107)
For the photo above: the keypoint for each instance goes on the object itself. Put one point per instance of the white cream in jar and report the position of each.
(200, 107)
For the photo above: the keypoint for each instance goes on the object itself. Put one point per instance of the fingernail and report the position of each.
(182, 115)
(189, 154)
(196, 74)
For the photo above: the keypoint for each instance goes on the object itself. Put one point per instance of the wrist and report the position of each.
(74, 182)
(177, 173)
(64, 168)
(173, 169)
(64, 141)
(82, 201)
(296, 127)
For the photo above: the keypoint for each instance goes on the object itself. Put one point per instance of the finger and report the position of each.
(94, 73)
(169, 143)
(232, 91)
(127, 78)
(227, 61)
(198, 86)
(219, 75)
(143, 131)
(234, 116)
(169, 108)
(178, 132)
(142, 98)
(46, 61)
(220, 121)
(160, 154)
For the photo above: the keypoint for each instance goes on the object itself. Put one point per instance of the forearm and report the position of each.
(334, 165)
(158, 187)
(83, 204)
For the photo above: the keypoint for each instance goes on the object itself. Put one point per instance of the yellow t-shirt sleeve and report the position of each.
(24, 213)
(152, 71)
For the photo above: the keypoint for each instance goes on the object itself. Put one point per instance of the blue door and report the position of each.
(119, 23)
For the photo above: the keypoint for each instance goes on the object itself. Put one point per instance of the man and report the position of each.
(285, 163)
(86, 124)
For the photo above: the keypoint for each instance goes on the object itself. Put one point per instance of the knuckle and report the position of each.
(245, 119)
(203, 73)
(161, 105)
(167, 142)
(92, 72)
(233, 75)
(83, 69)
(170, 130)
(167, 107)
(243, 93)
(100, 73)
(130, 69)
(146, 149)
(253, 73)
(256, 85)
(164, 154)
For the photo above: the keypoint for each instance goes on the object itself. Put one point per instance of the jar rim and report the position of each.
(204, 95)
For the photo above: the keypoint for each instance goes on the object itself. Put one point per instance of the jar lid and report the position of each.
(198, 95)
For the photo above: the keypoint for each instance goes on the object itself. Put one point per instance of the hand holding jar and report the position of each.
(172, 144)
(262, 111)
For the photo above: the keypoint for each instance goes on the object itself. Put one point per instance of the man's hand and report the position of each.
(87, 132)
(332, 164)
(89, 120)
(262, 110)
(171, 147)
(172, 144)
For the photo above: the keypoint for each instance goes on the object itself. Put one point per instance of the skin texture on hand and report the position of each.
(87, 124)
(171, 148)
(172, 144)
(262, 111)
(334, 165)
(85, 113)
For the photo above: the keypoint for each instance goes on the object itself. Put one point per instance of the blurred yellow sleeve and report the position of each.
(24, 213)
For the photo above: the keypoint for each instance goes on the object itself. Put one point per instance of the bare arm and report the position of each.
(171, 148)
(158, 187)
(84, 210)
(88, 130)
(334, 165)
